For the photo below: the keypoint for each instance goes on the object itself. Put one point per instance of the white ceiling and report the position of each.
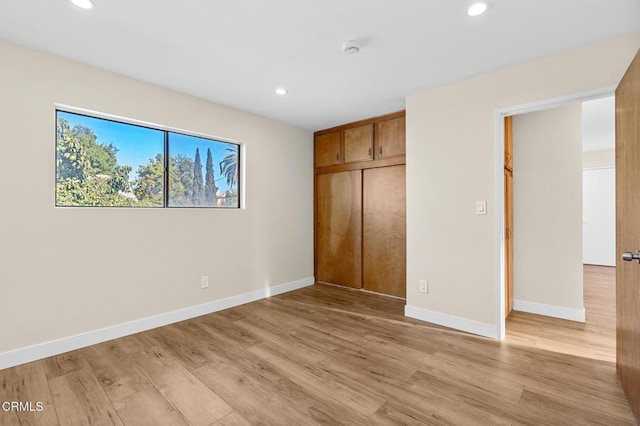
(236, 52)
(599, 124)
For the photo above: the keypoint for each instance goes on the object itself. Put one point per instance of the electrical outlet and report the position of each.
(204, 281)
(424, 286)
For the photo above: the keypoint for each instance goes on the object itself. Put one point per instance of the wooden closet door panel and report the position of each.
(327, 149)
(384, 230)
(339, 228)
(358, 144)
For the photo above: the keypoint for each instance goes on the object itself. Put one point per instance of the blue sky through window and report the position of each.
(186, 145)
(137, 145)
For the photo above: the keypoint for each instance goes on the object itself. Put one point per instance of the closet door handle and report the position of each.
(380, 151)
(370, 152)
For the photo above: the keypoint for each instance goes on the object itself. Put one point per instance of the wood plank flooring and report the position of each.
(326, 355)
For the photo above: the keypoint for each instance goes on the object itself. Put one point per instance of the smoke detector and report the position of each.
(351, 47)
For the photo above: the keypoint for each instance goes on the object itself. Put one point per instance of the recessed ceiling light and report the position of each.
(477, 9)
(281, 91)
(84, 4)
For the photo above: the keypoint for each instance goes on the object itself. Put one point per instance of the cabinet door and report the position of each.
(339, 228)
(391, 138)
(328, 149)
(384, 230)
(358, 144)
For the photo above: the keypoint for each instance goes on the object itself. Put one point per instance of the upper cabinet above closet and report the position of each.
(328, 149)
(390, 137)
(358, 144)
(374, 142)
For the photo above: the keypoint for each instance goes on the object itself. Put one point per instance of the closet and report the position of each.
(360, 205)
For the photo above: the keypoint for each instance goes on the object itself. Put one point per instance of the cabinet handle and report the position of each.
(380, 151)
(338, 157)
(370, 152)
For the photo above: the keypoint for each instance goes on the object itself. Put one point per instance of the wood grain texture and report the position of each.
(327, 149)
(370, 120)
(508, 215)
(358, 144)
(390, 137)
(628, 231)
(27, 383)
(192, 399)
(384, 251)
(116, 372)
(508, 143)
(79, 400)
(332, 355)
(339, 228)
(362, 165)
(148, 408)
(508, 242)
(233, 419)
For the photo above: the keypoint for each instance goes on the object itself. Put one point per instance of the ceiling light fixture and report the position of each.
(281, 91)
(351, 47)
(84, 4)
(477, 9)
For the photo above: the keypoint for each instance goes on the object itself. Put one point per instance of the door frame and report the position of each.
(499, 216)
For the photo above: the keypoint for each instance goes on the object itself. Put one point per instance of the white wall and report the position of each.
(599, 216)
(599, 204)
(453, 160)
(598, 161)
(70, 270)
(547, 212)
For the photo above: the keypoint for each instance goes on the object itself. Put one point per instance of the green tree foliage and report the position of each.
(197, 194)
(93, 191)
(102, 158)
(180, 180)
(71, 159)
(87, 172)
(150, 182)
(210, 188)
(229, 167)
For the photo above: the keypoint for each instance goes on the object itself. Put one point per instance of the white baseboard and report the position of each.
(561, 312)
(458, 323)
(70, 343)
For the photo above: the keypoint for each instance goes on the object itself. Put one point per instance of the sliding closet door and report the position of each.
(384, 230)
(339, 228)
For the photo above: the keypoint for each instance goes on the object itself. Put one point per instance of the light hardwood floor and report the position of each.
(334, 356)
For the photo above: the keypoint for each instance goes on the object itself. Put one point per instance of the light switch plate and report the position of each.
(481, 207)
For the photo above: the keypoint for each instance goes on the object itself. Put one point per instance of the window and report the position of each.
(105, 163)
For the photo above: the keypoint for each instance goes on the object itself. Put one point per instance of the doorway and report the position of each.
(564, 205)
(501, 185)
(565, 211)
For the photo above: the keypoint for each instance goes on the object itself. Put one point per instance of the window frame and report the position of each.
(166, 130)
